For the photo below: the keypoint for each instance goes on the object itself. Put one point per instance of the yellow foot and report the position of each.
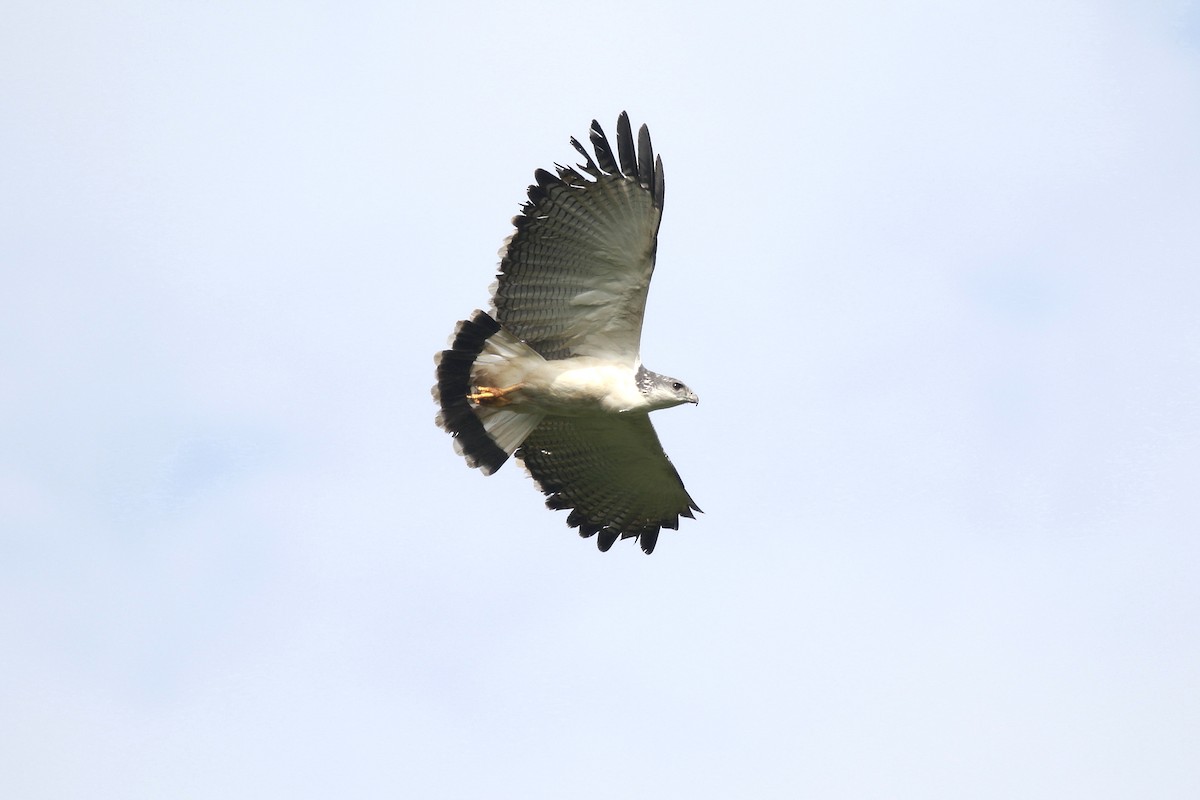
(493, 395)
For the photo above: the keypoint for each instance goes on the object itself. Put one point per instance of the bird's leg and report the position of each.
(493, 395)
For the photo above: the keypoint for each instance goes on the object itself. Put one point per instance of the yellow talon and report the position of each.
(493, 395)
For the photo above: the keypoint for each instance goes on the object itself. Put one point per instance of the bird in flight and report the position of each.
(553, 372)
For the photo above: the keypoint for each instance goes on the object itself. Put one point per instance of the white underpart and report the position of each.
(569, 386)
(584, 385)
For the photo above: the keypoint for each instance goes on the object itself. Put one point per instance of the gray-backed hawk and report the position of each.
(553, 372)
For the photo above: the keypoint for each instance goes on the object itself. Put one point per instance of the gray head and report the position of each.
(662, 391)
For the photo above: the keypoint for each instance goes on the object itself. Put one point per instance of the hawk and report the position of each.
(553, 373)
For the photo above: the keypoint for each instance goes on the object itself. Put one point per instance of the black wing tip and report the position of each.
(606, 537)
(646, 533)
(604, 153)
(633, 159)
(626, 148)
(660, 183)
(453, 373)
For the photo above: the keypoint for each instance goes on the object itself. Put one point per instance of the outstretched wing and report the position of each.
(612, 472)
(574, 275)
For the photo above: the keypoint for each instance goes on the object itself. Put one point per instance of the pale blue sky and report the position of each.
(931, 267)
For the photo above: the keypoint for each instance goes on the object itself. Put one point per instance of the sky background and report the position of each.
(932, 268)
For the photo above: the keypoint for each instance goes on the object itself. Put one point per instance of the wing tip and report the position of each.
(634, 159)
(645, 533)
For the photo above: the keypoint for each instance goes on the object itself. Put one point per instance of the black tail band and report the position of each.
(454, 384)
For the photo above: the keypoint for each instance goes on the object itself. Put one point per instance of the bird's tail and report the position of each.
(484, 435)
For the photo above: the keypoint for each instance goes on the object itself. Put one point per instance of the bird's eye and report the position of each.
(677, 386)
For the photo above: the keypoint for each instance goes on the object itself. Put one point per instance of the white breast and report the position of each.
(582, 386)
